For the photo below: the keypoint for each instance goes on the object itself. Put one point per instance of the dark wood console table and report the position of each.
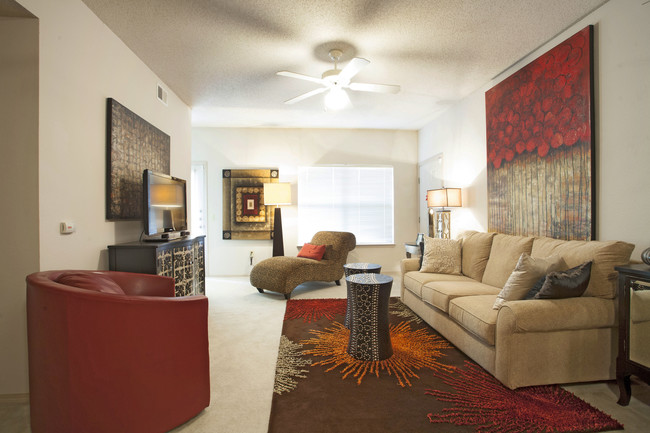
(633, 342)
(182, 259)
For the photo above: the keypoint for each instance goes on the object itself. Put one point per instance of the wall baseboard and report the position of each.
(14, 398)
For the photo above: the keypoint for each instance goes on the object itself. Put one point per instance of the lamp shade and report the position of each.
(444, 197)
(277, 193)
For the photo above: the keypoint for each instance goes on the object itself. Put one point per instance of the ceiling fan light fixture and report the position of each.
(337, 99)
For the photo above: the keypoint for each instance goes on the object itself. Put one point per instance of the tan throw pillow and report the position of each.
(441, 256)
(527, 272)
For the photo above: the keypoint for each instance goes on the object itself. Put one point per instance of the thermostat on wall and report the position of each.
(66, 228)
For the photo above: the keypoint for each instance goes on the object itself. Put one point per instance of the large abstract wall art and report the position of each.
(540, 145)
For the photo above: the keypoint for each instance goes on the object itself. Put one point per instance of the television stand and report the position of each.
(182, 259)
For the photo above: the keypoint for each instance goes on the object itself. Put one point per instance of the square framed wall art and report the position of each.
(244, 214)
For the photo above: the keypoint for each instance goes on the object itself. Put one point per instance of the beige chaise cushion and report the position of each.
(605, 256)
(475, 252)
(439, 294)
(504, 254)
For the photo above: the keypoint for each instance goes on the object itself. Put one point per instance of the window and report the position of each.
(351, 199)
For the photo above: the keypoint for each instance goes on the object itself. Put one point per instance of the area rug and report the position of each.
(426, 386)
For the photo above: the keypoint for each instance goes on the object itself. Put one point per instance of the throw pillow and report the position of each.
(536, 288)
(310, 251)
(441, 256)
(527, 271)
(84, 280)
(567, 284)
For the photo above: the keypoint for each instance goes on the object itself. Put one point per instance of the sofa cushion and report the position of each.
(476, 315)
(441, 256)
(414, 280)
(605, 256)
(567, 284)
(475, 253)
(90, 281)
(440, 293)
(504, 254)
(527, 272)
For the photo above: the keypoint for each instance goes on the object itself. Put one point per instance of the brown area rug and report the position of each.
(426, 386)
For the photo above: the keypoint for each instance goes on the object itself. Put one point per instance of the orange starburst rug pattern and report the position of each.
(412, 350)
(312, 310)
(482, 401)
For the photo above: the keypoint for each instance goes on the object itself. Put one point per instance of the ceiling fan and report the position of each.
(335, 81)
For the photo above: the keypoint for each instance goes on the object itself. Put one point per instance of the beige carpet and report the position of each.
(245, 329)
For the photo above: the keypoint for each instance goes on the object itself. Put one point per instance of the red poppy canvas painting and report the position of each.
(540, 145)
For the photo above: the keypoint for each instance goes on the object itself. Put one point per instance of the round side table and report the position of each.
(368, 301)
(361, 268)
(357, 268)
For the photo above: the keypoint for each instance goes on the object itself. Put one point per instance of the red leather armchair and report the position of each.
(105, 361)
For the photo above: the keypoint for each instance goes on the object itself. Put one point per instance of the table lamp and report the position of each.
(442, 198)
(277, 194)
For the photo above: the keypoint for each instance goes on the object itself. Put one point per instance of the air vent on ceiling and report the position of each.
(162, 94)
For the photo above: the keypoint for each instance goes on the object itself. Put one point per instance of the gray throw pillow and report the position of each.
(567, 284)
(536, 288)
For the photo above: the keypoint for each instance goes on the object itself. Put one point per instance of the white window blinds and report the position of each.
(351, 199)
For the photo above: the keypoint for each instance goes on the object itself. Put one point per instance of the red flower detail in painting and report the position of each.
(311, 310)
(544, 105)
(481, 400)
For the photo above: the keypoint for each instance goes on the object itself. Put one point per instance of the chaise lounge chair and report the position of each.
(283, 274)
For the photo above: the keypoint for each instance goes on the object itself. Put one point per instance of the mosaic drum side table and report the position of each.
(368, 302)
(357, 268)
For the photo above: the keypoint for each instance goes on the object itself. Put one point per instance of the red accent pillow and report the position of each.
(310, 251)
(96, 282)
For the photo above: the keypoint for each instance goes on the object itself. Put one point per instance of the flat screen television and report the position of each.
(165, 203)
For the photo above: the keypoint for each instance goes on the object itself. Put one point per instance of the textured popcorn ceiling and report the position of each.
(220, 56)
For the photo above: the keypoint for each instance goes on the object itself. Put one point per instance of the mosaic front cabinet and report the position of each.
(181, 259)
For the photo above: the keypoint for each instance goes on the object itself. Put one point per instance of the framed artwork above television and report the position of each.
(132, 146)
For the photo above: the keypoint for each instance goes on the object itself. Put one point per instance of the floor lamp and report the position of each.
(442, 198)
(277, 194)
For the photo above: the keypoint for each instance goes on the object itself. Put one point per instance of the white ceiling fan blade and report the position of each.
(379, 88)
(351, 69)
(306, 95)
(301, 77)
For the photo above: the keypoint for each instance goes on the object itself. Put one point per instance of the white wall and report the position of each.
(622, 104)
(19, 191)
(287, 149)
(81, 63)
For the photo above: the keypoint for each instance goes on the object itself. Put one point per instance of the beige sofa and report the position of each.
(526, 342)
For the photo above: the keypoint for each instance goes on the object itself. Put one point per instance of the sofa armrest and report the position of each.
(408, 265)
(546, 315)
